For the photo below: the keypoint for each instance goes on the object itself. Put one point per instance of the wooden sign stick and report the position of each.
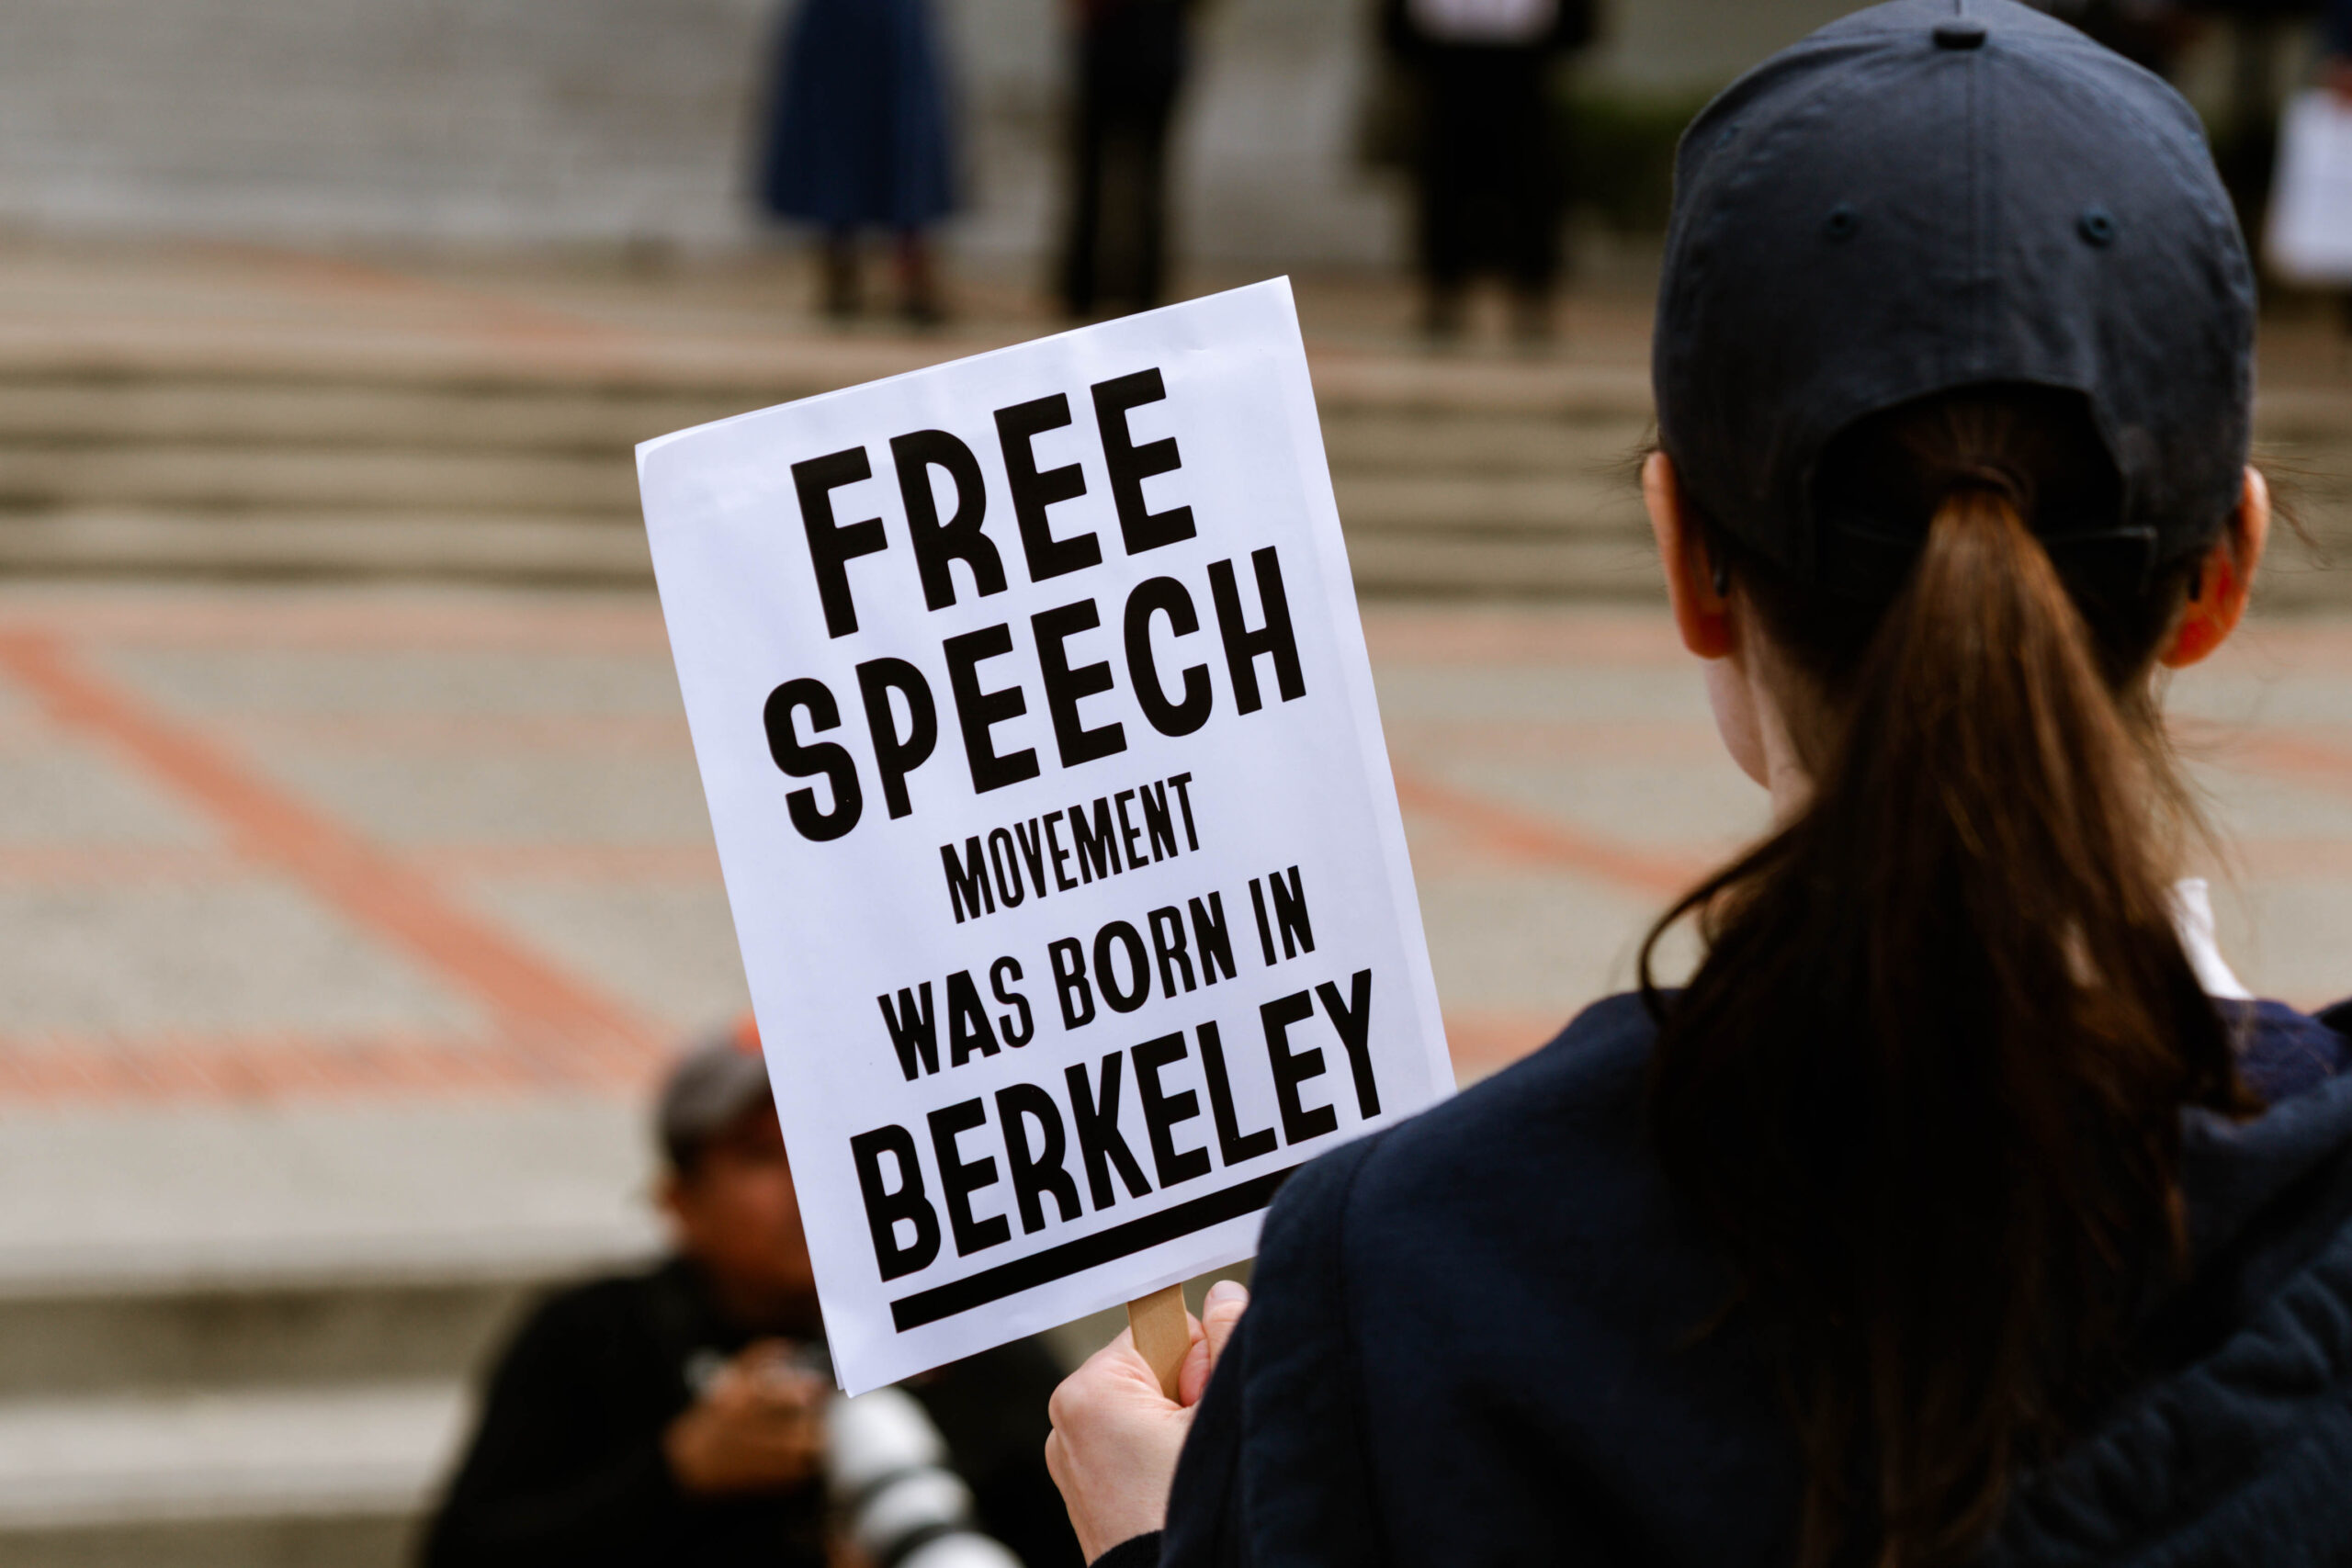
(1162, 1334)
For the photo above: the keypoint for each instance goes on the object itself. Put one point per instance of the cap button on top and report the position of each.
(1960, 32)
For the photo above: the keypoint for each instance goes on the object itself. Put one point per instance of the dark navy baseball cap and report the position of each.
(1935, 195)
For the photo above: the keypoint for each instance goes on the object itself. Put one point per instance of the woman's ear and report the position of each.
(2225, 580)
(1701, 607)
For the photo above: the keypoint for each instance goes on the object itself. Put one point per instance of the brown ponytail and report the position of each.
(1925, 1085)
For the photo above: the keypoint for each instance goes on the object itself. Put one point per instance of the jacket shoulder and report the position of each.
(2246, 1457)
(2244, 1451)
(2283, 1054)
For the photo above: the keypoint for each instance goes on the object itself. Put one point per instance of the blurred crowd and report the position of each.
(859, 143)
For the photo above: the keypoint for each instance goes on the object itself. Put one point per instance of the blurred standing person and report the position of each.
(857, 138)
(1490, 186)
(1131, 61)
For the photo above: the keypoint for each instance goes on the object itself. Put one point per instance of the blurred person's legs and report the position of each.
(2246, 140)
(1149, 151)
(838, 274)
(1130, 64)
(1532, 201)
(919, 299)
(1449, 180)
(1489, 191)
(841, 275)
(1080, 248)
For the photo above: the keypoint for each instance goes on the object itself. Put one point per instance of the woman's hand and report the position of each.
(1115, 1438)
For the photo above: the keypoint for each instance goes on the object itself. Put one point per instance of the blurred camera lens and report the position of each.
(887, 1465)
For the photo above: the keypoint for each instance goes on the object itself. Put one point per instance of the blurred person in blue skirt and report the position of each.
(858, 139)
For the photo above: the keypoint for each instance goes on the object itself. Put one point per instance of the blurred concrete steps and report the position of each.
(242, 1336)
(250, 1417)
(282, 1477)
(1454, 476)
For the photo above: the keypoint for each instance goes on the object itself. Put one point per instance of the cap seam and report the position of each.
(1980, 219)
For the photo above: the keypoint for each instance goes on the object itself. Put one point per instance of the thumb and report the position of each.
(1220, 1315)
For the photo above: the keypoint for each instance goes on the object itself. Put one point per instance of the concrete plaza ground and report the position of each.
(285, 859)
(355, 877)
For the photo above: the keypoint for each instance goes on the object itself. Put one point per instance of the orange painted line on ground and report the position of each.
(135, 865)
(2295, 757)
(573, 862)
(179, 1066)
(1518, 836)
(174, 1067)
(493, 314)
(604, 733)
(570, 1030)
(340, 620)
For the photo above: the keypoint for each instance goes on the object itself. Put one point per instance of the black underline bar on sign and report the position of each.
(1088, 1252)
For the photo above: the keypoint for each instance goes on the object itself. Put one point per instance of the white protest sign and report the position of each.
(1039, 737)
(2311, 209)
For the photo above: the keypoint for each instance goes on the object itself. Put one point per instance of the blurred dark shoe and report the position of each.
(1443, 316)
(1532, 325)
(839, 271)
(918, 303)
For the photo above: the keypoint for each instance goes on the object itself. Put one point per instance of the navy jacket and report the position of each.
(1472, 1344)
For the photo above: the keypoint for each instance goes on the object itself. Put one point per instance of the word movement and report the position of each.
(980, 881)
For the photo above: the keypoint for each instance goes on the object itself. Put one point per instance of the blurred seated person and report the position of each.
(679, 1416)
